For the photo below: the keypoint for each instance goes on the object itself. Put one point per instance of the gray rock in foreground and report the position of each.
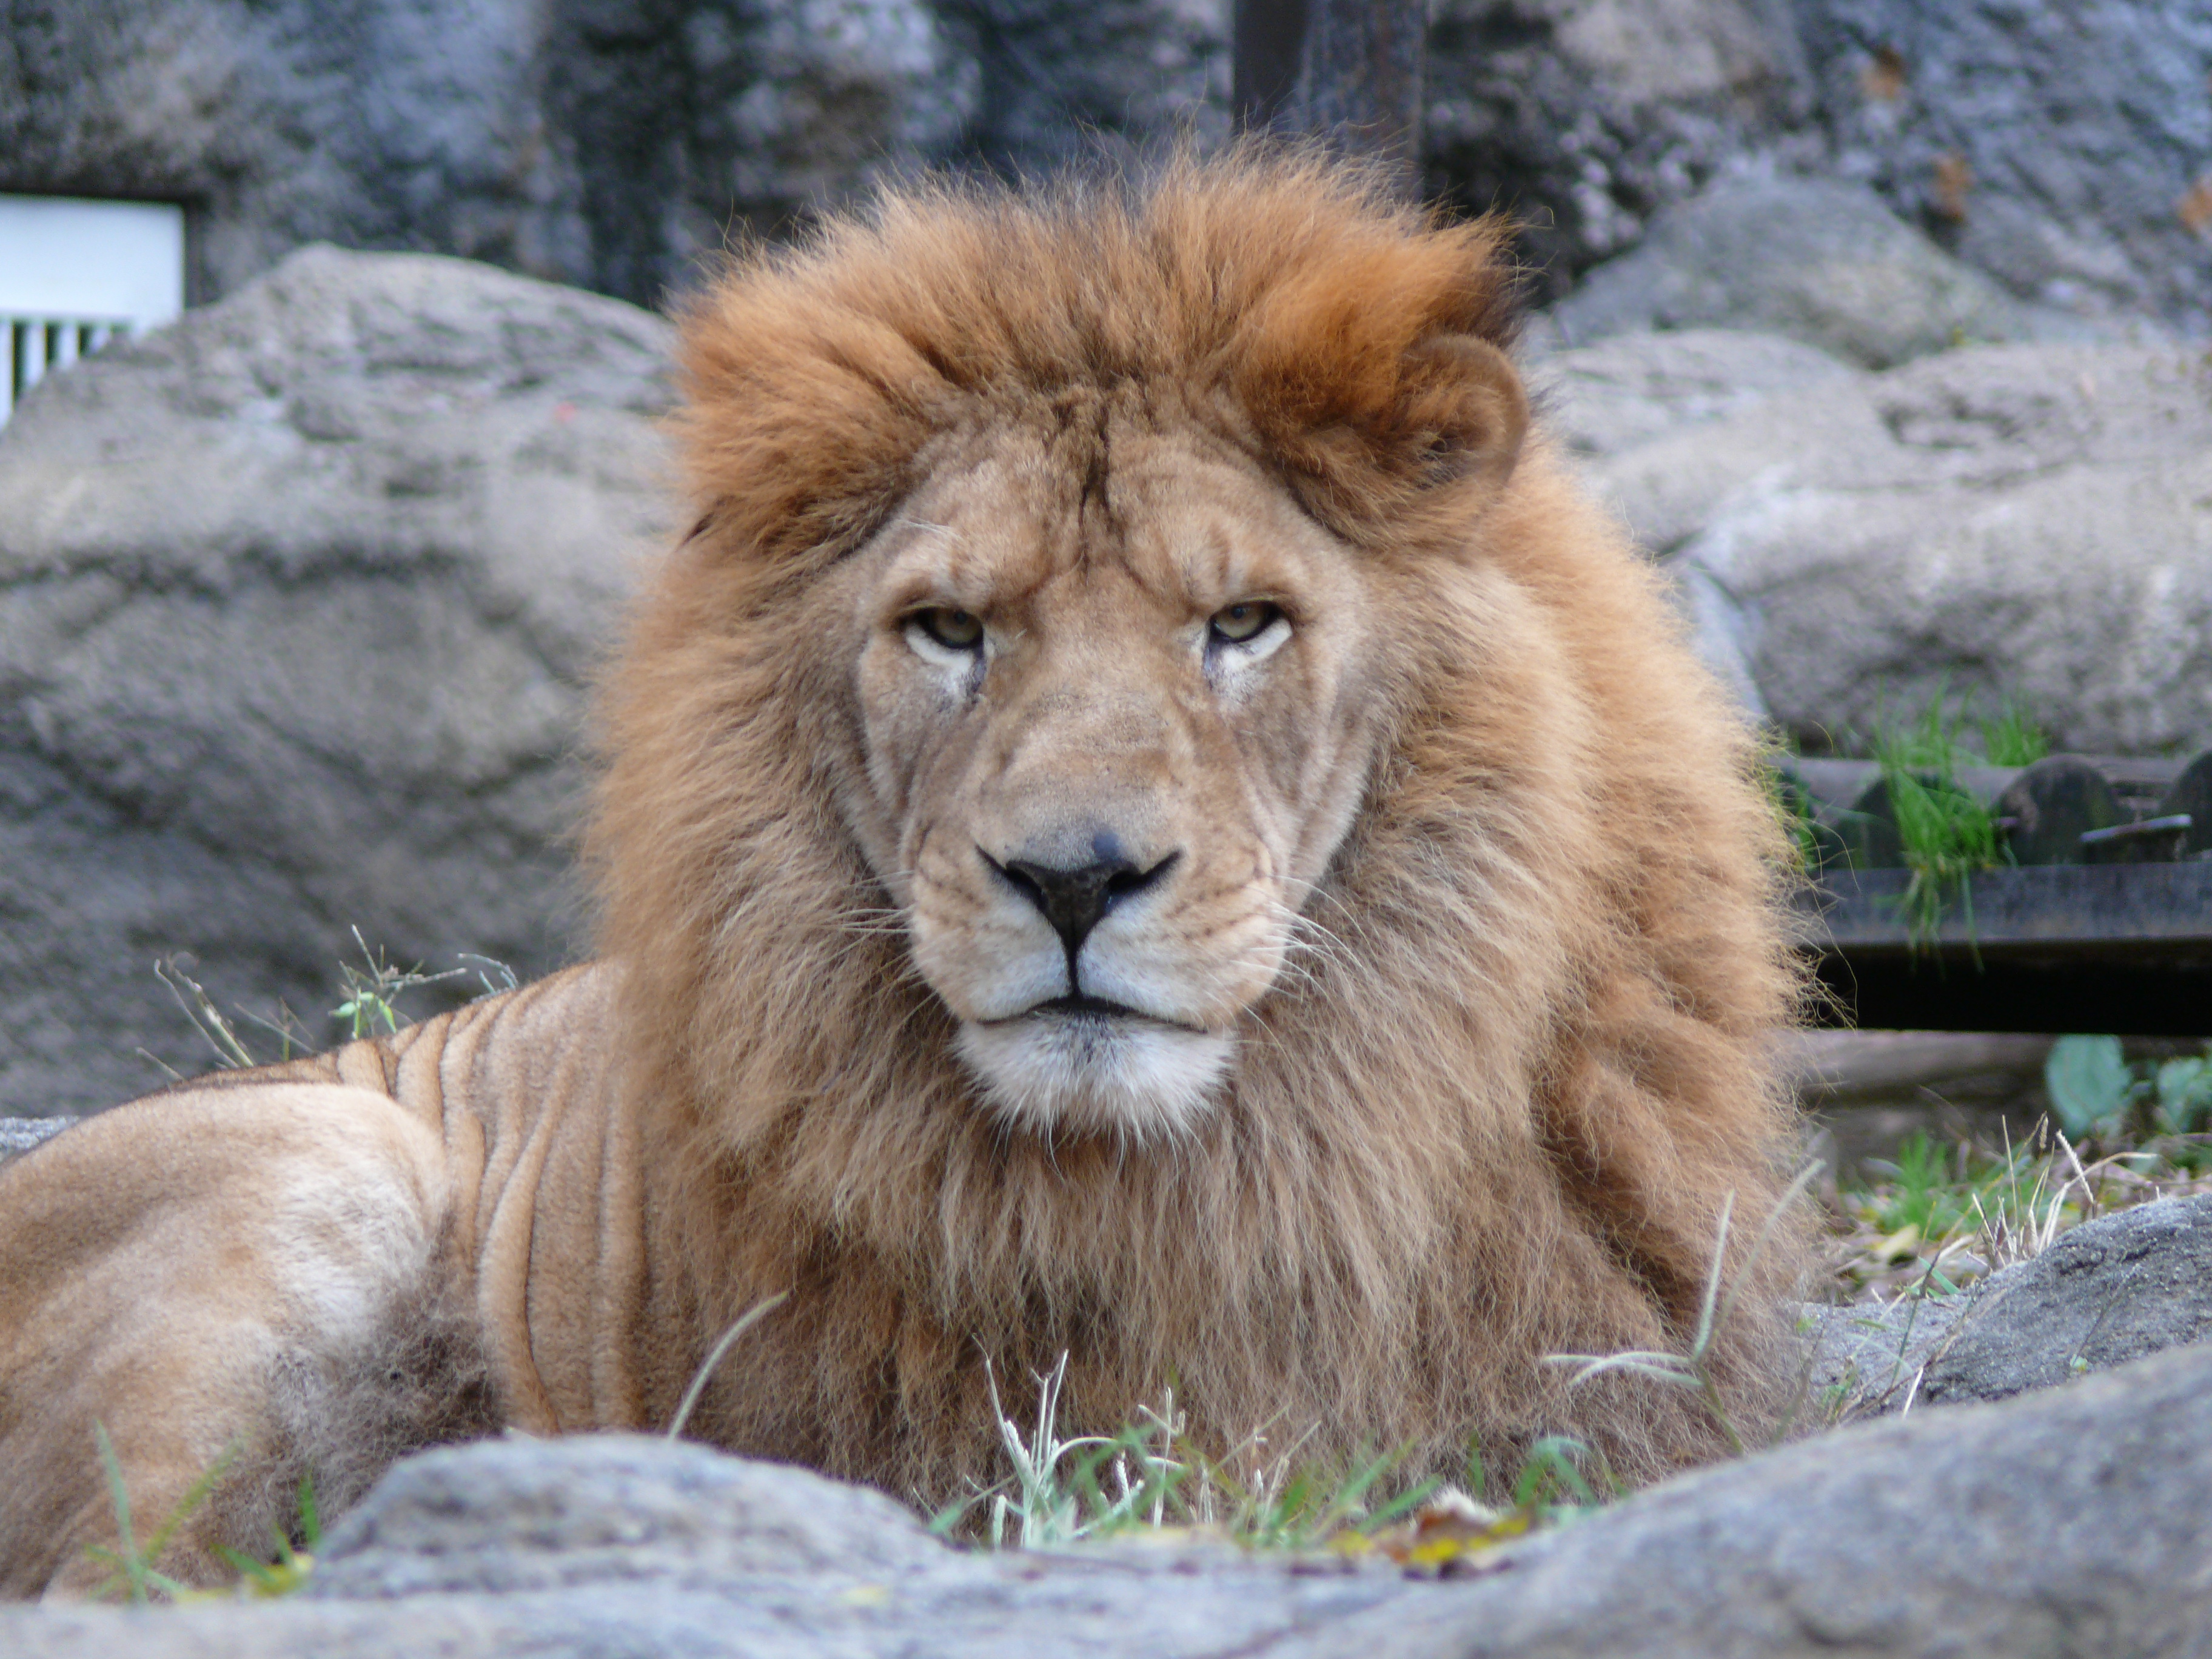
(2069, 1522)
(297, 601)
(2060, 1525)
(2106, 1293)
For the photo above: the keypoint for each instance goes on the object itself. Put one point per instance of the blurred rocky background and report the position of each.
(1884, 324)
(2062, 150)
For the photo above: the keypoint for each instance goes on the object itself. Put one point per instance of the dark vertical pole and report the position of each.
(1347, 71)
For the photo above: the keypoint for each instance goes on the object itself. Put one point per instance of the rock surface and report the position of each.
(19, 1134)
(2064, 146)
(2105, 1294)
(2031, 521)
(1817, 260)
(297, 600)
(2066, 150)
(605, 144)
(608, 143)
(1629, 389)
(1585, 117)
(2069, 1523)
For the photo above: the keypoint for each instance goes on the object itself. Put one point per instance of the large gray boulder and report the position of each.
(2067, 1524)
(1818, 260)
(1609, 397)
(2033, 521)
(297, 602)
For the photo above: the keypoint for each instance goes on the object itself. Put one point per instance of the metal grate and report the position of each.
(35, 345)
(74, 274)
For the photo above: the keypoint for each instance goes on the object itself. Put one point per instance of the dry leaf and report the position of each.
(2195, 209)
(1447, 1529)
(1883, 79)
(1953, 179)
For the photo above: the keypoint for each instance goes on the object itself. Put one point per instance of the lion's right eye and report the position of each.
(956, 630)
(1244, 621)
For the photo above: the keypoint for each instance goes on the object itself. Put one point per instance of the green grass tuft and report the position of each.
(1947, 833)
(1151, 1476)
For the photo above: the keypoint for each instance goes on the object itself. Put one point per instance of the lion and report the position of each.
(1149, 824)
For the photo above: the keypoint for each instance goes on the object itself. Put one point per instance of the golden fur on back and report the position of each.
(1497, 1118)
(1193, 528)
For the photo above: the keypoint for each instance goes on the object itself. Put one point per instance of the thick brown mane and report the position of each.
(1494, 1109)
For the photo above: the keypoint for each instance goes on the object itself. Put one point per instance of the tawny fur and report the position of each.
(1490, 1107)
(1496, 1121)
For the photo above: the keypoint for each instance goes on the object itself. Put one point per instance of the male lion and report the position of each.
(1148, 821)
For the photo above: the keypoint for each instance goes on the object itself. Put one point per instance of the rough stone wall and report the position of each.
(603, 143)
(2064, 147)
(1586, 117)
(609, 144)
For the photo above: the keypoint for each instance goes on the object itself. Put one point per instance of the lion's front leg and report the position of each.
(258, 1276)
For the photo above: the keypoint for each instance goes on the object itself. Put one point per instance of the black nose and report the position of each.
(1074, 901)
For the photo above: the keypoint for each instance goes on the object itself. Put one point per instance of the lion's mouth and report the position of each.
(1090, 1065)
(1090, 1010)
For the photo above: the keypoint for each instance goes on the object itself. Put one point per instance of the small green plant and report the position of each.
(371, 995)
(1552, 1487)
(289, 1567)
(133, 1578)
(1937, 1216)
(1946, 832)
(1924, 1195)
(370, 992)
(2013, 739)
(2089, 1083)
(2093, 1089)
(1151, 1476)
(2183, 1089)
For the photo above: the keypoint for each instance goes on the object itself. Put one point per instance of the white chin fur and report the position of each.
(1128, 1077)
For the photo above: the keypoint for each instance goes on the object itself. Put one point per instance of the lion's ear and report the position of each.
(1463, 412)
(1406, 443)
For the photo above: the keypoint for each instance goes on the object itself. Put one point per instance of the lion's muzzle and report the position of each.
(1074, 900)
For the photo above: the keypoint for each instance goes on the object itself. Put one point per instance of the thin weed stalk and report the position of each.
(1693, 1369)
(134, 1576)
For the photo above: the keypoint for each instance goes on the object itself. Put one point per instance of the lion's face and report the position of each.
(1116, 718)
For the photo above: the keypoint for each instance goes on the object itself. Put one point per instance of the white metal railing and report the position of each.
(74, 274)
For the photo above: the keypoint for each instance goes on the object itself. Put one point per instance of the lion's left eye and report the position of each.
(956, 630)
(1246, 620)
